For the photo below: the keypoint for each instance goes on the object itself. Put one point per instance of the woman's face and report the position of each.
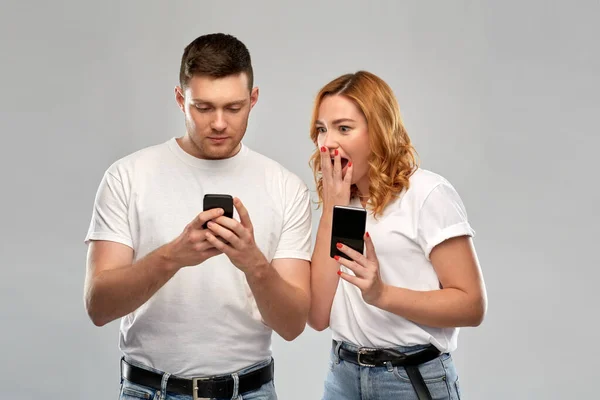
(342, 126)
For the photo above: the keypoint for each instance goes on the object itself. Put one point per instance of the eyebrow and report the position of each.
(337, 121)
(231, 103)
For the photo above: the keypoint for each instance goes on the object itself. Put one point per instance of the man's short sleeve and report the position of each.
(442, 216)
(110, 213)
(297, 225)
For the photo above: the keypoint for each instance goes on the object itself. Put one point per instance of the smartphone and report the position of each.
(223, 201)
(348, 227)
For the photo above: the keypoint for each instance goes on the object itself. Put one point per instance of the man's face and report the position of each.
(216, 114)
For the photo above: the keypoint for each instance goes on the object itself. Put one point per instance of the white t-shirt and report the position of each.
(423, 216)
(204, 320)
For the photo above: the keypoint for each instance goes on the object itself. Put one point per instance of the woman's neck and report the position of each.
(362, 191)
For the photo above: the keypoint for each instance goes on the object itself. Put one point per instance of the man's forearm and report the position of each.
(283, 307)
(113, 293)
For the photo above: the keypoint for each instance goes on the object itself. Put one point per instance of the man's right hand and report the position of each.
(191, 247)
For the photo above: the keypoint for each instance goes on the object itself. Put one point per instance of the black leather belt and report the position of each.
(199, 388)
(370, 357)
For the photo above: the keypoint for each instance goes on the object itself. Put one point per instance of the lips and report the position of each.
(218, 139)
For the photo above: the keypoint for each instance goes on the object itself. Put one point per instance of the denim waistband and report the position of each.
(403, 349)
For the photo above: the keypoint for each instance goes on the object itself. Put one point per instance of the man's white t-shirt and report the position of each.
(204, 320)
(423, 216)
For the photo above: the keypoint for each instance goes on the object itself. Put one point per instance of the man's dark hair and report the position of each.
(216, 55)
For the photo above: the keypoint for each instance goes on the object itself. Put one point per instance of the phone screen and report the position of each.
(348, 227)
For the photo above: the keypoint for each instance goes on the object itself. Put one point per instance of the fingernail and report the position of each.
(336, 257)
(323, 149)
(349, 163)
(339, 272)
(339, 245)
(336, 152)
(368, 234)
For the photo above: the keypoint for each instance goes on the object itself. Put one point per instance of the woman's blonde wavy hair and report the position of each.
(393, 159)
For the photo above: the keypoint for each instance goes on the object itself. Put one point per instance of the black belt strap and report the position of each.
(369, 357)
(417, 382)
(221, 386)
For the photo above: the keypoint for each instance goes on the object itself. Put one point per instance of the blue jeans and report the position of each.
(349, 381)
(132, 391)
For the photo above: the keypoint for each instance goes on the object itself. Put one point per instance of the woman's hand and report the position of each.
(366, 270)
(336, 189)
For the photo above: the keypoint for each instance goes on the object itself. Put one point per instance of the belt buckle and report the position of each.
(195, 389)
(363, 351)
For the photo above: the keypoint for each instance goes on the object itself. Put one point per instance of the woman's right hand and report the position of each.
(336, 189)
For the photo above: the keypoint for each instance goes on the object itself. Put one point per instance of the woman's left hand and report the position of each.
(366, 271)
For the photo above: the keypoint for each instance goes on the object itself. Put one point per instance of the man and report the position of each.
(198, 305)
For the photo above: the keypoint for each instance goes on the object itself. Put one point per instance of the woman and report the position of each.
(395, 311)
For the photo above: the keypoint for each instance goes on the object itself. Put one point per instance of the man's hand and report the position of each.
(239, 244)
(191, 247)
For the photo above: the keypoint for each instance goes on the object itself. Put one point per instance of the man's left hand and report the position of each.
(239, 244)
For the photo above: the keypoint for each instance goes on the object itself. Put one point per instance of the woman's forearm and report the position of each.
(441, 308)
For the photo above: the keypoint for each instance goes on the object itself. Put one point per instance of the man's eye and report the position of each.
(234, 109)
(203, 109)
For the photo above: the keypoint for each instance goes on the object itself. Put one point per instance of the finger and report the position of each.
(351, 279)
(205, 216)
(370, 248)
(348, 176)
(353, 254)
(222, 232)
(243, 213)
(231, 224)
(326, 168)
(352, 266)
(203, 245)
(337, 166)
(218, 244)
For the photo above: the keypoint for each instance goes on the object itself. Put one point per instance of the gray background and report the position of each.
(499, 97)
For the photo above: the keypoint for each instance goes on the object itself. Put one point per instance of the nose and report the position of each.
(330, 142)
(218, 123)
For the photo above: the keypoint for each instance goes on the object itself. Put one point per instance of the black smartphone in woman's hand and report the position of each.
(348, 227)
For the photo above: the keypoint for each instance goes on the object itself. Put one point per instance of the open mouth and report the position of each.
(343, 160)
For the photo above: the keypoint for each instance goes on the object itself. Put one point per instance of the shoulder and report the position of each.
(276, 171)
(422, 184)
(141, 160)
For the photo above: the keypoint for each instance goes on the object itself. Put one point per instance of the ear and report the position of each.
(253, 97)
(180, 98)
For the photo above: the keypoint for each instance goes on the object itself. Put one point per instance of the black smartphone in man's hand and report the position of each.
(223, 201)
(348, 227)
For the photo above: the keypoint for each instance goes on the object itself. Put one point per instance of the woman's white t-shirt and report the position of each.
(423, 216)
